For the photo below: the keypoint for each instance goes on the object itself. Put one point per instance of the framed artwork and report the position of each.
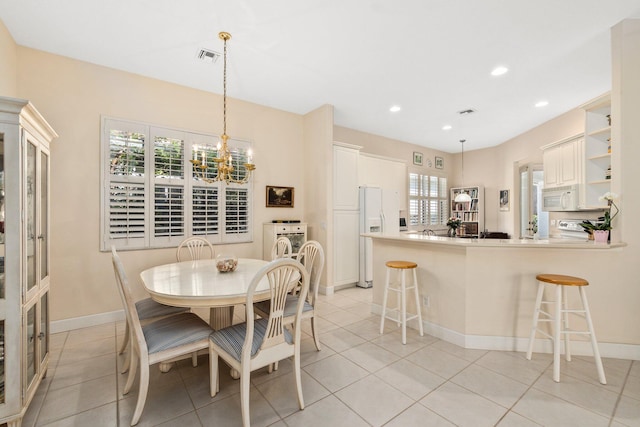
(279, 197)
(439, 162)
(504, 200)
(417, 158)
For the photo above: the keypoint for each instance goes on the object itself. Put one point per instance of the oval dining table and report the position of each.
(198, 284)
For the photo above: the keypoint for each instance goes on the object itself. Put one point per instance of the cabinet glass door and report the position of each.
(43, 237)
(44, 329)
(31, 344)
(30, 229)
(2, 296)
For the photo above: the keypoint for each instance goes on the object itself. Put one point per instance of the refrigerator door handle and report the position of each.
(382, 222)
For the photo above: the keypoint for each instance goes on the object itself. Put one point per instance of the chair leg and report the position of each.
(194, 359)
(133, 367)
(399, 276)
(417, 294)
(296, 369)
(594, 342)
(565, 325)
(384, 302)
(142, 393)
(536, 315)
(125, 341)
(403, 298)
(127, 360)
(316, 334)
(213, 373)
(557, 325)
(245, 385)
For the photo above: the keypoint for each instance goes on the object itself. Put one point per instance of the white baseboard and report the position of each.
(86, 321)
(481, 342)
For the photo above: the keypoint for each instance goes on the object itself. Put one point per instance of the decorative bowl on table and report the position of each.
(226, 263)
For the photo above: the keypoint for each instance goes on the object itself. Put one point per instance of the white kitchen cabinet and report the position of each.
(345, 177)
(563, 162)
(347, 247)
(295, 232)
(24, 255)
(597, 156)
(346, 230)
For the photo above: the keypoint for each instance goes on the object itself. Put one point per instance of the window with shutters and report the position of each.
(154, 197)
(428, 200)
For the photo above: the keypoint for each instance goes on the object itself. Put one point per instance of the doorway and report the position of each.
(534, 223)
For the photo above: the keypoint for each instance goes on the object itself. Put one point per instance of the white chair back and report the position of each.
(283, 275)
(198, 248)
(311, 255)
(281, 248)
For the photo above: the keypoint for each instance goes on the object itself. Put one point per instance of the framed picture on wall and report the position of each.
(439, 162)
(417, 158)
(504, 200)
(279, 197)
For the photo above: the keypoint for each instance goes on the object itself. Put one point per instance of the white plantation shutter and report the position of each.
(204, 208)
(126, 211)
(152, 196)
(237, 211)
(168, 211)
(427, 199)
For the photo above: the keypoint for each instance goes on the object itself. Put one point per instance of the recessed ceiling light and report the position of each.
(395, 108)
(446, 127)
(498, 71)
(542, 103)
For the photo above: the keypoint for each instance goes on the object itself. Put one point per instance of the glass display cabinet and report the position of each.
(24, 255)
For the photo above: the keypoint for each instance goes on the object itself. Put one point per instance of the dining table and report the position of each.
(199, 284)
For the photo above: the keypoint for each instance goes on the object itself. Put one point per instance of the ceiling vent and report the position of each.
(208, 56)
(467, 111)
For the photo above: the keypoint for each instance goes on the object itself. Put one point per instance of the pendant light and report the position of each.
(224, 160)
(462, 196)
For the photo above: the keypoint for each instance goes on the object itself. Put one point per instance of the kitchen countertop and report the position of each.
(501, 243)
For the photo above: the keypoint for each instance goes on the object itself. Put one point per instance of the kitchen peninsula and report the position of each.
(480, 293)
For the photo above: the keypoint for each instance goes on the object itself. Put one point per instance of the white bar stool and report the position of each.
(560, 316)
(401, 289)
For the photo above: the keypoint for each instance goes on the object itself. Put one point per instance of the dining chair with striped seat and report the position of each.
(165, 340)
(257, 343)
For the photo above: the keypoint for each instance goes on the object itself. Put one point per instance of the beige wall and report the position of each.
(318, 179)
(72, 95)
(8, 63)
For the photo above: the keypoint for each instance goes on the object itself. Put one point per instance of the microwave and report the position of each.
(560, 198)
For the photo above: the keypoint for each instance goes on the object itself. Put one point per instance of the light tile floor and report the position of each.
(360, 378)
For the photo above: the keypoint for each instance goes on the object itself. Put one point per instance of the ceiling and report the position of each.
(433, 58)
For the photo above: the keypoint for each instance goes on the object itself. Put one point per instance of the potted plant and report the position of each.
(600, 230)
(453, 223)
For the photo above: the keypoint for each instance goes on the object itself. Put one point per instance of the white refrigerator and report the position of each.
(379, 213)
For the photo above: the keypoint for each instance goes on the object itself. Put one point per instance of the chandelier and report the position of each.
(224, 160)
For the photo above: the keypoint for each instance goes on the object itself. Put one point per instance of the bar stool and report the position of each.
(401, 289)
(560, 320)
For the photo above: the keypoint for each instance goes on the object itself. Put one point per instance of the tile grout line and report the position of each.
(624, 384)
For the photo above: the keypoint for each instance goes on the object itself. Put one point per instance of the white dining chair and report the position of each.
(166, 340)
(196, 247)
(311, 255)
(281, 248)
(257, 343)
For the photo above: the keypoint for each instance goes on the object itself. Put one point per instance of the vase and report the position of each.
(601, 236)
(451, 232)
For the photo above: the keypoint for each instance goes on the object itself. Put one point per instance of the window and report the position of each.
(427, 200)
(153, 196)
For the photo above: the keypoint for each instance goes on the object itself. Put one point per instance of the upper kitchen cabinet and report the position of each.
(597, 171)
(563, 162)
(345, 176)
